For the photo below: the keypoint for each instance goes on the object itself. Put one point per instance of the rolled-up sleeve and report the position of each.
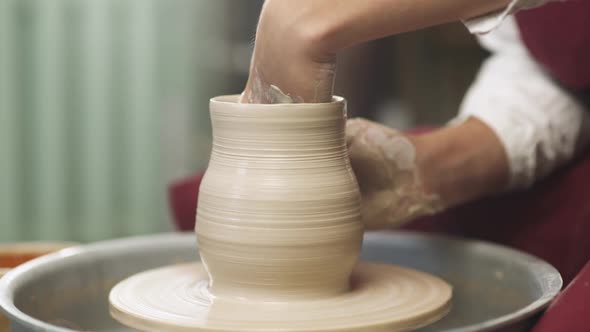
(489, 22)
(540, 125)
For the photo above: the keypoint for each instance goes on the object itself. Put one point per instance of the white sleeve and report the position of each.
(489, 22)
(540, 125)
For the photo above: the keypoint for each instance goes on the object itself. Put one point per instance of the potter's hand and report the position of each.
(402, 177)
(297, 41)
(289, 54)
(391, 184)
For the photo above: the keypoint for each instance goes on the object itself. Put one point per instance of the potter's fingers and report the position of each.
(399, 152)
(362, 128)
(353, 128)
(375, 210)
(368, 166)
(394, 208)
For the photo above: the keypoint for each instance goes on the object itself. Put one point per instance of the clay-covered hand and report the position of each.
(392, 188)
(297, 41)
(289, 54)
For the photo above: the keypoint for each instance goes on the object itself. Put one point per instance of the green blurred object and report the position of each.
(86, 88)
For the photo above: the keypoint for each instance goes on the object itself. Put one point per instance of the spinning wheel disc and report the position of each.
(382, 298)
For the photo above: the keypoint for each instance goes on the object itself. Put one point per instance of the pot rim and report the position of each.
(233, 100)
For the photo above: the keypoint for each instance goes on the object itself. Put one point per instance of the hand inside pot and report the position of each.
(297, 41)
(291, 61)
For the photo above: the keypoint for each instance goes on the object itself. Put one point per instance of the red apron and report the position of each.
(558, 37)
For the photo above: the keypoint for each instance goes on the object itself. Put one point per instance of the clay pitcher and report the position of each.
(279, 207)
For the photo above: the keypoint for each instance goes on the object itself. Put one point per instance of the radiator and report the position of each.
(102, 103)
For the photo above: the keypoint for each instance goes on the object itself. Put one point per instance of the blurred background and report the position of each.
(104, 103)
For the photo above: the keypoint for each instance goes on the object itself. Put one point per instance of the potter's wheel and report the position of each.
(493, 286)
(382, 298)
(280, 231)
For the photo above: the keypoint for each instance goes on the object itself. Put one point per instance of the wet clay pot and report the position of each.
(279, 189)
(279, 233)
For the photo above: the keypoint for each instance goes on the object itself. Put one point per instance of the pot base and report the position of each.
(382, 298)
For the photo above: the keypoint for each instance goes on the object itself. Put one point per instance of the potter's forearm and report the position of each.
(297, 41)
(463, 163)
(335, 25)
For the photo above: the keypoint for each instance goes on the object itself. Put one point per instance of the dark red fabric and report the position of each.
(558, 37)
(183, 196)
(571, 310)
(550, 221)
